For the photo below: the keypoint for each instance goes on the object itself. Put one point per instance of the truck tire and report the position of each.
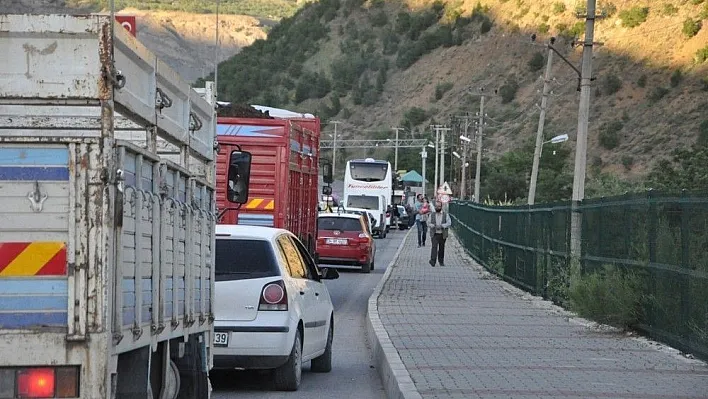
(287, 377)
(194, 380)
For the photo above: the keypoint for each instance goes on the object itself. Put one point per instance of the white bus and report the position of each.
(368, 177)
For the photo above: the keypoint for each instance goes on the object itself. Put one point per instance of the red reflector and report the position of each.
(35, 383)
(273, 293)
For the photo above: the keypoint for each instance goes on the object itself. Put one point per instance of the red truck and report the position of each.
(283, 179)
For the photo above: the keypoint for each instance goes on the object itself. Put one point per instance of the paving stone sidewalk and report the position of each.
(462, 333)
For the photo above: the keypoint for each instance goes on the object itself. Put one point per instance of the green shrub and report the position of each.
(536, 62)
(578, 28)
(378, 18)
(697, 2)
(544, 28)
(704, 12)
(691, 27)
(609, 9)
(642, 81)
(702, 55)
(377, 3)
(508, 91)
(627, 161)
(414, 116)
(676, 78)
(669, 9)
(609, 134)
(442, 88)
(609, 296)
(486, 25)
(657, 94)
(558, 7)
(581, 7)
(496, 262)
(634, 16)
(612, 84)
(403, 22)
(703, 133)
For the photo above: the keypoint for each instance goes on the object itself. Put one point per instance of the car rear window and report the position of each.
(342, 224)
(244, 259)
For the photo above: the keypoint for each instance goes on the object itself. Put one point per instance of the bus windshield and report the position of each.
(368, 171)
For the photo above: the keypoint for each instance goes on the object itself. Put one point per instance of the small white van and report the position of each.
(374, 204)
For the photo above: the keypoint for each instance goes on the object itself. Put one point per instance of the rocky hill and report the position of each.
(184, 40)
(377, 64)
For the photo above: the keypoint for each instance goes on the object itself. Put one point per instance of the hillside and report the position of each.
(184, 40)
(378, 64)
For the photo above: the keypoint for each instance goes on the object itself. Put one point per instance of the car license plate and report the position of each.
(221, 339)
(336, 241)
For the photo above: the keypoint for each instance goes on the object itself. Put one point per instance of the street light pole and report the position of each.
(539, 132)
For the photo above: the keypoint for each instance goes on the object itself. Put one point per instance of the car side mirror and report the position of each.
(238, 174)
(327, 273)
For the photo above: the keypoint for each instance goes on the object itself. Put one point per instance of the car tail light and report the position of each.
(274, 297)
(39, 382)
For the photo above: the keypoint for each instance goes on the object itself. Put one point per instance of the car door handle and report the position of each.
(317, 294)
(302, 292)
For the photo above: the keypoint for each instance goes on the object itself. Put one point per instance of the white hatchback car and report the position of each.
(272, 309)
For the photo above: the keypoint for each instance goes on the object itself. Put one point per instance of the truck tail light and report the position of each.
(39, 382)
(274, 297)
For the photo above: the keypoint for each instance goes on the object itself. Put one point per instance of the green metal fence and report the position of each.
(662, 238)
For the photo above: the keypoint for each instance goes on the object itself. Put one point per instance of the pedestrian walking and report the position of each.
(422, 209)
(439, 222)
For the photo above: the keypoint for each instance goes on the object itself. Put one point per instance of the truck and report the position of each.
(107, 224)
(284, 174)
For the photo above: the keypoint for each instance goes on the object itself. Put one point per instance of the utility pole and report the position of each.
(424, 155)
(442, 157)
(334, 147)
(480, 132)
(539, 132)
(395, 161)
(582, 140)
(463, 183)
(437, 139)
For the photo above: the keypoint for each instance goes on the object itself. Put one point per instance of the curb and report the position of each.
(397, 382)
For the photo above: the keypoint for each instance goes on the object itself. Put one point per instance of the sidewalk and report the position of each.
(458, 332)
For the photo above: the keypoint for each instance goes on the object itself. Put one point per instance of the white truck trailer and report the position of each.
(106, 216)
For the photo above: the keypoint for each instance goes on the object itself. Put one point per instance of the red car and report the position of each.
(343, 239)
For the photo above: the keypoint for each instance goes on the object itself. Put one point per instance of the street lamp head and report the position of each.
(465, 139)
(559, 139)
(456, 154)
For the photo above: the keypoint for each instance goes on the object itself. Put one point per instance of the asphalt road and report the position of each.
(352, 375)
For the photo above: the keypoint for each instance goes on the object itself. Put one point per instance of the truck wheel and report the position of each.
(323, 363)
(287, 377)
